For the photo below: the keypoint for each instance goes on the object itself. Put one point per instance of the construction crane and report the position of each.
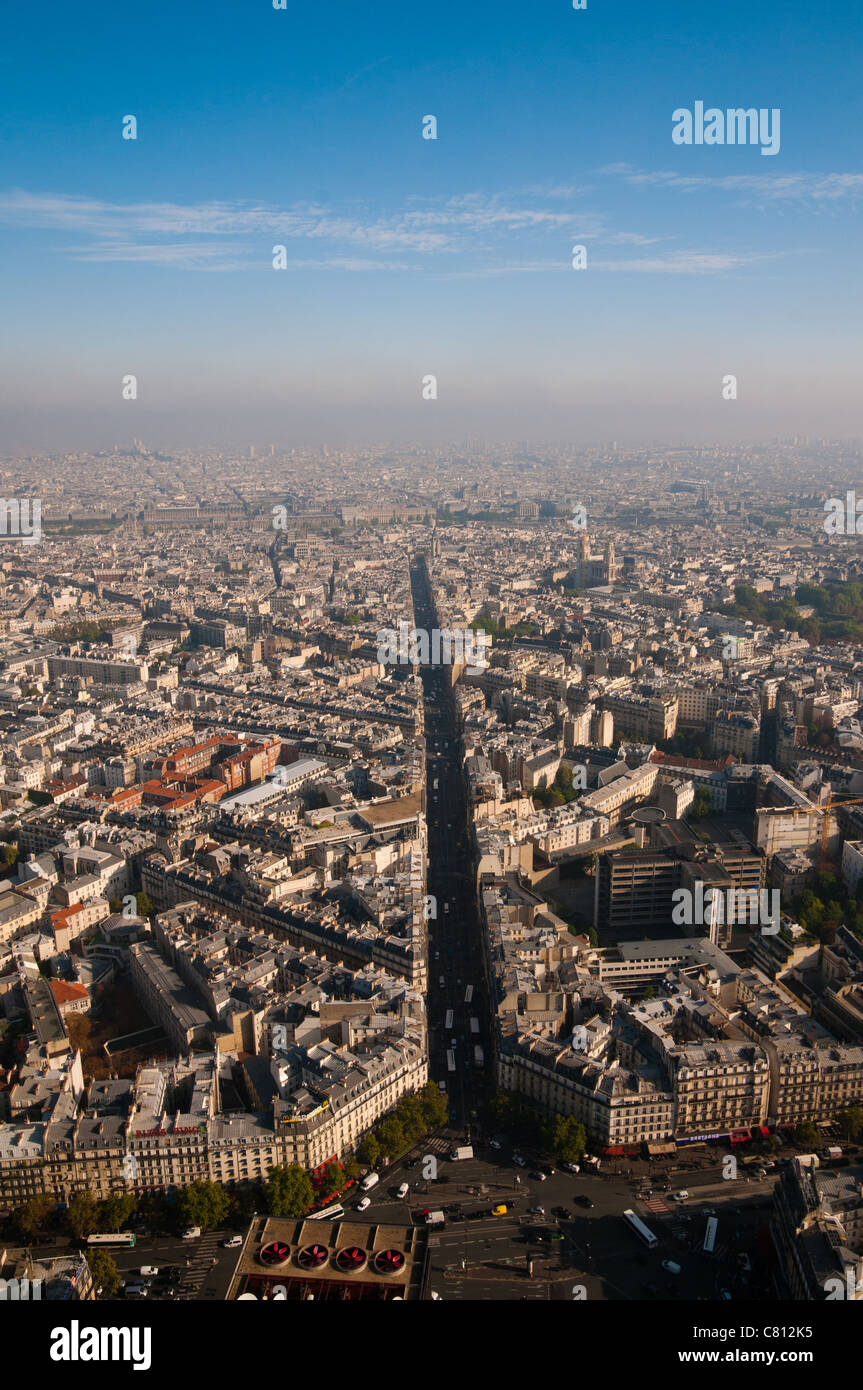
(824, 809)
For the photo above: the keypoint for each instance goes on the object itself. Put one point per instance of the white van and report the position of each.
(191, 1233)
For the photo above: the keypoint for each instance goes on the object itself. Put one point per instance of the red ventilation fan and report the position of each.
(276, 1253)
(312, 1256)
(351, 1259)
(389, 1262)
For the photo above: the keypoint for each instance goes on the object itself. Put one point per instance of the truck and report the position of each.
(369, 1181)
(477, 1056)
(466, 1151)
(435, 1218)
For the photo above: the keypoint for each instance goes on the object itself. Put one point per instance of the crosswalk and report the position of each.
(657, 1206)
(201, 1264)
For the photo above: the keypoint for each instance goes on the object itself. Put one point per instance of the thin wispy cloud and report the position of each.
(818, 189)
(508, 231)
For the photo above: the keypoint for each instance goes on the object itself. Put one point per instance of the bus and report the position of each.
(710, 1236)
(474, 1025)
(468, 994)
(448, 1021)
(450, 1060)
(643, 1232)
(327, 1214)
(115, 1238)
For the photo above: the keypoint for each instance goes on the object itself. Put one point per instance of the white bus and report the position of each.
(710, 1236)
(115, 1238)
(468, 994)
(448, 1021)
(643, 1232)
(327, 1214)
(450, 1060)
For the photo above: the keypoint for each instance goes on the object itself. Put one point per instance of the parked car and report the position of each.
(671, 1266)
(494, 1144)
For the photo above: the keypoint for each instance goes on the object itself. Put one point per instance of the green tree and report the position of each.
(116, 1210)
(32, 1216)
(702, 803)
(369, 1150)
(434, 1106)
(851, 1121)
(104, 1272)
(289, 1191)
(569, 1139)
(806, 1136)
(81, 1217)
(332, 1180)
(409, 1113)
(391, 1136)
(203, 1204)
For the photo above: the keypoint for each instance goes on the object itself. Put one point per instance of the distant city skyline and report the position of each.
(407, 257)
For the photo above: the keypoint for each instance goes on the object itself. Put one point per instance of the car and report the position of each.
(232, 1242)
(537, 1175)
(536, 1211)
(403, 1191)
(671, 1266)
(725, 1294)
(136, 1290)
(495, 1144)
(191, 1233)
(582, 1200)
(364, 1204)
(570, 1167)
(149, 1271)
(522, 1162)
(680, 1196)
(562, 1213)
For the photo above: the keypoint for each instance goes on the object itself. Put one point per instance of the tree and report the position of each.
(369, 1150)
(82, 1215)
(203, 1204)
(33, 1216)
(410, 1115)
(117, 1209)
(702, 803)
(331, 1181)
(391, 1136)
(434, 1106)
(806, 1136)
(104, 1272)
(569, 1139)
(289, 1191)
(851, 1121)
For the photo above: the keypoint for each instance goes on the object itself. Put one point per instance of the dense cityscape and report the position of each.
(475, 946)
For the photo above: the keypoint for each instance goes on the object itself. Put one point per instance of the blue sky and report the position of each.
(406, 256)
